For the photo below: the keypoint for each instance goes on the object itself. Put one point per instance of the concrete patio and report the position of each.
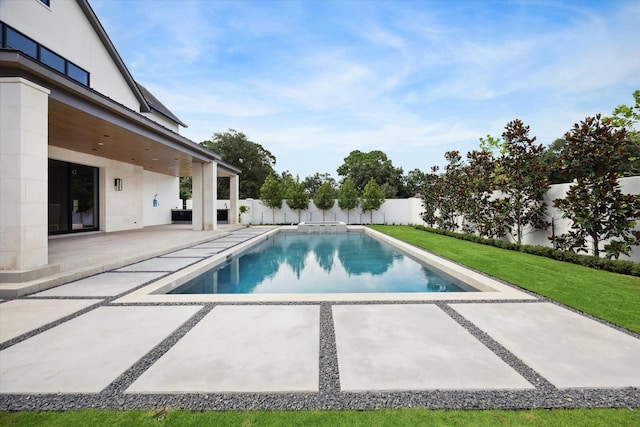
(76, 346)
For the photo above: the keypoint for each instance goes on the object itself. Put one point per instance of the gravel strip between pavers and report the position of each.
(329, 396)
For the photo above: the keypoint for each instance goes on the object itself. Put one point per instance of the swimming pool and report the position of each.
(294, 263)
(481, 287)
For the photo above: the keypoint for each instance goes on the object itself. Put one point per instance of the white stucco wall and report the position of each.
(167, 189)
(64, 29)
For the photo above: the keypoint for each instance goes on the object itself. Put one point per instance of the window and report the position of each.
(51, 59)
(17, 41)
(77, 74)
(12, 39)
(46, 2)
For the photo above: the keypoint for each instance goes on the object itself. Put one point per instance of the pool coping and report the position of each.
(490, 289)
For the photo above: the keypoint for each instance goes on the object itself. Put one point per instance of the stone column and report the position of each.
(234, 184)
(210, 196)
(24, 180)
(196, 196)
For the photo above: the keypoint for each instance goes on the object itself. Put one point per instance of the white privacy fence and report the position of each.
(408, 211)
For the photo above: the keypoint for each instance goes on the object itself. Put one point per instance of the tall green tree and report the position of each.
(297, 197)
(372, 197)
(324, 197)
(271, 195)
(628, 117)
(595, 205)
(313, 182)
(348, 196)
(255, 162)
(186, 187)
(551, 158)
(362, 167)
(413, 182)
(522, 178)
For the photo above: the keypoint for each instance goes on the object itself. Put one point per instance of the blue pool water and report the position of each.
(319, 263)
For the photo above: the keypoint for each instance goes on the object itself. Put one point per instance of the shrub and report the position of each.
(629, 268)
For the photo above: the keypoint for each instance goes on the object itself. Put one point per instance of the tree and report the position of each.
(430, 194)
(413, 182)
(482, 212)
(254, 160)
(372, 197)
(312, 183)
(271, 195)
(522, 178)
(362, 167)
(297, 197)
(492, 145)
(348, 196)
(595, 205)
(551, 158)
(325, 197)
(186, 186)
(629, 118)
(444, 195)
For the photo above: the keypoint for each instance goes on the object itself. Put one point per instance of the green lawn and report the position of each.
(398, 417)
(609, 296)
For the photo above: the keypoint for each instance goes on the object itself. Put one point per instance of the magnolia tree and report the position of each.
(595, 205)
(522, 180)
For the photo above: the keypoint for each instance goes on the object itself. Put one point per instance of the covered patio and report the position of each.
(72, 257)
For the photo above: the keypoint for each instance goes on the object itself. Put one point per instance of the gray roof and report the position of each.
(158, 106)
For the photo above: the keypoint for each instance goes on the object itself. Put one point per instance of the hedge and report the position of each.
(629, 268)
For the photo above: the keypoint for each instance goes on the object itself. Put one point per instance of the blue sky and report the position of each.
(313, 80)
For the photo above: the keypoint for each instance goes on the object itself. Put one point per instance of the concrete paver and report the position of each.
(241, 349)
(85, 354)
(567, 349)
(191, 252)
(413, 347)
(18, 317)
(160, 264)
(103, 285)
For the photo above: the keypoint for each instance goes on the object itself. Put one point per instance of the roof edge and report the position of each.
(111, 49)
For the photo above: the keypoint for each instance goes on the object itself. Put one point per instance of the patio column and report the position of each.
(24, 179)
(210, 196)
(234, 182)
(196, 196)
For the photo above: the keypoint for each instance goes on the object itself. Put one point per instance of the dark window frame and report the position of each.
(70, 70)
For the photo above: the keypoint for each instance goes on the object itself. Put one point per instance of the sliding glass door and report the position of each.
(73, 197)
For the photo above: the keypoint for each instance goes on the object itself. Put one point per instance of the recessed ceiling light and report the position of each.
(154, 159)
(106, 136)
(100, 143)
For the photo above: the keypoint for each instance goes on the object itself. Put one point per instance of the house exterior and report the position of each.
(83, 146)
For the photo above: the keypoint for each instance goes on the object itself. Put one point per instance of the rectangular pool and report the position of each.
(294, 263)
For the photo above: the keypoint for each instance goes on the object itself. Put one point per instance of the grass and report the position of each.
(396, 417)
(609, 296)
